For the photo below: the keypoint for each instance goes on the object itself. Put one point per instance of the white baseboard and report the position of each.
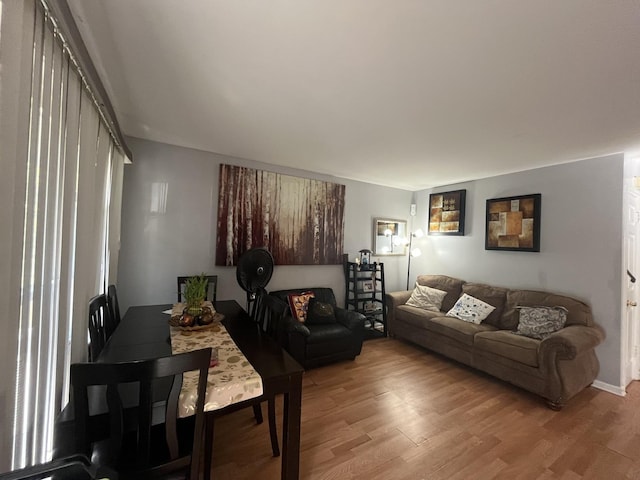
(616, 390)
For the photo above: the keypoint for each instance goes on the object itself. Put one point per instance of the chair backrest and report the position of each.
(135, 448)
(269, 312)
(211, 287)
(322, 294)
(100, 325)
(114, 306)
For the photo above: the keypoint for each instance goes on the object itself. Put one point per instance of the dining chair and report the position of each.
(72, 467)
(211, 288)
(260, 312)
(268, 313)
(114, 306)
(136, 447)
(100, 325)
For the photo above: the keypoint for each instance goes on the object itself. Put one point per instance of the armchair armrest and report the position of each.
(293, 326)
(571, 341)
(350, 318)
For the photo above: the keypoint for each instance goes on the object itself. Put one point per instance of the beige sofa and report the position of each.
(556, 368)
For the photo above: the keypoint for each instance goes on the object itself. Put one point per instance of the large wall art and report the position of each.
(299, 220)
(513, 223)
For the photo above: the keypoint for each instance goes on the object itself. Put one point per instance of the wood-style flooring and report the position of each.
(399, 412)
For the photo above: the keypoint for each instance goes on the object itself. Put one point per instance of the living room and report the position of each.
(575, 144)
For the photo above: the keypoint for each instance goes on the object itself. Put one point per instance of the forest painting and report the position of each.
(299, 220)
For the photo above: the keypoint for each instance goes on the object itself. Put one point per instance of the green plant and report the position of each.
(195, 290)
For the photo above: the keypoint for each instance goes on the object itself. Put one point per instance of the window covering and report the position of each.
(60, 197)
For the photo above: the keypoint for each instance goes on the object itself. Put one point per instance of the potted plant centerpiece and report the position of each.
(195, 291)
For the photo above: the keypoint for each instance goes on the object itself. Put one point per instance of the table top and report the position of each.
(144, 332)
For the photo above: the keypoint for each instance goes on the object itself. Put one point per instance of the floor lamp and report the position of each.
(413, 252)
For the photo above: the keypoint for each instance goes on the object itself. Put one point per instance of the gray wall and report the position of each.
(155, 248)
(581, 230)
(581, 241)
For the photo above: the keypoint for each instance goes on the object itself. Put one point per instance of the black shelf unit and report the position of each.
(365, 294)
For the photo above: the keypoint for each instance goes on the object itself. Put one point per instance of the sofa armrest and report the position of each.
(393, 300)
(398, 298)
(571, 341)
(350, 318)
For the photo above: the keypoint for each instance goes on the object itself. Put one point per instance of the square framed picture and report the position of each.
(446, 213)
(367, 286)
(513, 223)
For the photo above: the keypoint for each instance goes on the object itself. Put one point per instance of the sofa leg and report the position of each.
(555, 406)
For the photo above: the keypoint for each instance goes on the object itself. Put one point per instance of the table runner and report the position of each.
(232, 380)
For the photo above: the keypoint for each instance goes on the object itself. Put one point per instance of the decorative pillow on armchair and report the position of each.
(426, 298)
(470, 309)
(319, 313)
(540, 322)
(299, 303)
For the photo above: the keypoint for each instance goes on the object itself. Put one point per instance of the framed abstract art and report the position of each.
(513, 223)
(446, 213)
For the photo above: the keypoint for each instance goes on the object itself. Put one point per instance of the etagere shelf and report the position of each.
(365, 294)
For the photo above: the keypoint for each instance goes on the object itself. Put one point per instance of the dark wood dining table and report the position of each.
(144, 332)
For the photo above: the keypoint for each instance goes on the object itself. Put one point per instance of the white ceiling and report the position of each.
(404, 93)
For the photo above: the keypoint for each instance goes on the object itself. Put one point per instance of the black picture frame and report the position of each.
(446, 213)
(513, 223)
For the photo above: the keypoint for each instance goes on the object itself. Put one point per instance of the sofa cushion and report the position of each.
(426, 298)
(505, 344)
(494, 296)
(415, 316)
(319, 313)
(540, 322)
(579, 313)
(328, 333)
(452, 286)
(470, 309)
(299, 303)
(324, 294)
(457, 329)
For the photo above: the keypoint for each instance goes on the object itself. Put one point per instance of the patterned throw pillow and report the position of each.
(426, 298)
(540, 322)
(298, 303)
(319, 313)
(470, 309)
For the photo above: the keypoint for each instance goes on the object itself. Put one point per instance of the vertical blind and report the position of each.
(60, 192)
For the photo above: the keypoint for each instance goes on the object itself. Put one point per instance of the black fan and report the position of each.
(254, 270)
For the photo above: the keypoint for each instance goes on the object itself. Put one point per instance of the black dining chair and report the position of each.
(268, 313)
(114, 306)
(261, 312)
(100, 325)
(73, 467)
(135, 446)
(212, 287)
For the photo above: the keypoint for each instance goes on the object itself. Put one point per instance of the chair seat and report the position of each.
(102, 453)
(332, 332)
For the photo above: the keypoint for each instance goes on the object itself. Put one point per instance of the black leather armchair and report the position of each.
(318, 344)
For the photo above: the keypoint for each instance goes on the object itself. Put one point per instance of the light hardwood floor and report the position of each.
(399, 412)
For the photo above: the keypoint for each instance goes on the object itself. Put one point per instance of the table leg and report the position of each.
(208, 445)
(291, 432)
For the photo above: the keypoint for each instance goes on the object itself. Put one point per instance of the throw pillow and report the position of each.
(540, 322)
(470, 309)
(298, 303)
(426, 298)
(319, 313)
